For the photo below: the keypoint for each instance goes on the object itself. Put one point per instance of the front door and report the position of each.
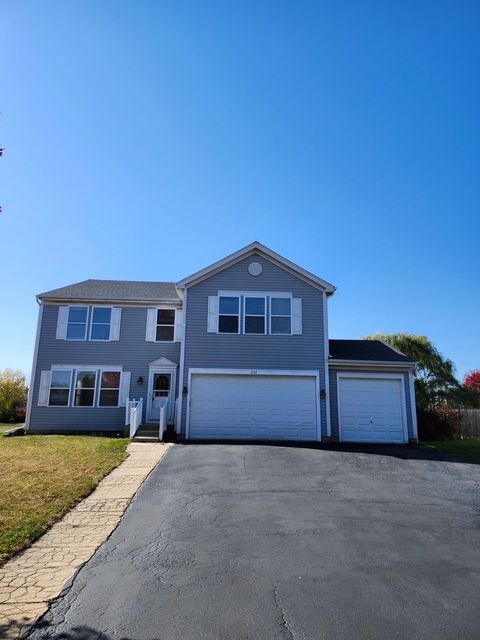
(160, 391)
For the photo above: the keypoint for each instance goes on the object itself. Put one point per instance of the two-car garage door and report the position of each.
(253, 406)
(371, 409)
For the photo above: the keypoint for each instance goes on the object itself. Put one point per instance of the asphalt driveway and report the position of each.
(253, 542)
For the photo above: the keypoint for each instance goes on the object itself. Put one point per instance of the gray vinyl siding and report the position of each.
(132, 352)
(334, 395)
(231, 351)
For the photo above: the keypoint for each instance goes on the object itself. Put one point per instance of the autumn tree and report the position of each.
(13, 393)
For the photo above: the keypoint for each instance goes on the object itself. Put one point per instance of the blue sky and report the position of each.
(144, 140)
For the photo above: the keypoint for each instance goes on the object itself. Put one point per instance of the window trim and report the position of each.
(83, 369)
(256, 315)
(99, 391)
(157, 309)
(87, 322)
(279, 316)
(230, 315)
(91, 323)
(60, 406)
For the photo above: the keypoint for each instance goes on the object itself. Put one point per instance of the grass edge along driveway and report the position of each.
(469, 448)
(42, 477)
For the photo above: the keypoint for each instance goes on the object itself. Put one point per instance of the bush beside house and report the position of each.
(13, 396)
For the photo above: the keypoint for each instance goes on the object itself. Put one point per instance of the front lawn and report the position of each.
(6, 426)
(41, 477)
(469, 448)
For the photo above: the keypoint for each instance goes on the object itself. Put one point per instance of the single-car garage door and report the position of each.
(371, 409)
(231, 406)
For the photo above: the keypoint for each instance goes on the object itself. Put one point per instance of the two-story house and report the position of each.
(239, 349)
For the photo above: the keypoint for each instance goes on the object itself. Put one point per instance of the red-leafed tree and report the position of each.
(472, 381)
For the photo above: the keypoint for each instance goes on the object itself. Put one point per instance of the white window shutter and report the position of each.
(44, 390)
(115, 322)
(62, 322)
(151, 325)
(178, 324)
(212, 322)
(124, 388)
(297, 316)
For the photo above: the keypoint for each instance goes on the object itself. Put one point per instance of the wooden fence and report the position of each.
(470, 422)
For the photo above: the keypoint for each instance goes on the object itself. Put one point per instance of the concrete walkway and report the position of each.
(30, 580)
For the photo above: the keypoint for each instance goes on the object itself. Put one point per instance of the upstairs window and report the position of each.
(77, 323)
(101, 318)
(165, 325)
(280, 316)
(109, 389)
(85, 388)
(59, 388)
(254, 321)
(228, 314)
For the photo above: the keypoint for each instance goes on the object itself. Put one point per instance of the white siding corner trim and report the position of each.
(44, 389)
(115, 323)
(296, 316)
(62, 322)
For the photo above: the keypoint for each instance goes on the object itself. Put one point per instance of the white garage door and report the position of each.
(371, 409)
(252, 407)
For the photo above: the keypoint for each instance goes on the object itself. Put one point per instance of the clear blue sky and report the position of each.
(144, 140)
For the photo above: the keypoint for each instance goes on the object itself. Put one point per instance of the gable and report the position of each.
(255, 252)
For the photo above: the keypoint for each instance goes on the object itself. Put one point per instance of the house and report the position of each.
(237, 350)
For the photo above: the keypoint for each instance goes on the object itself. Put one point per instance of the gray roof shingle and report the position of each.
(121, 290)
(374, 350)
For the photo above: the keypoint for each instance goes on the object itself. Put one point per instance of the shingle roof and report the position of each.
(121, 290)
(374, 350)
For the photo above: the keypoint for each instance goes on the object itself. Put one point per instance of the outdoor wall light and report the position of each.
(323, 393)
(140, 381)
(185, 389)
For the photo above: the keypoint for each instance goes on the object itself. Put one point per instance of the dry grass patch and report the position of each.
(41, 477)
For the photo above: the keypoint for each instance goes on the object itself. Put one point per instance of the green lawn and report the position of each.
(6, 426)
(469, 448)
(41, 477)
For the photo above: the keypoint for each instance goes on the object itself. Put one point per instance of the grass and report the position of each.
(468, 448)
(42, 477)
(6, 426)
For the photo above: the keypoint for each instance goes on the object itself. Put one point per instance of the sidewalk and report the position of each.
(30, 580)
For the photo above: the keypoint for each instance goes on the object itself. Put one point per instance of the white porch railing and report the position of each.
(135, 407)
(164, 411)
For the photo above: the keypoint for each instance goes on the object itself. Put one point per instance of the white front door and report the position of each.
(160, 389)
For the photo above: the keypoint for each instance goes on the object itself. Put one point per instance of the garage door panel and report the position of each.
(260, 406)
(370, 409)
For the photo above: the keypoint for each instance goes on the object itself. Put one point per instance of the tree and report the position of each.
(13, 393)
(435, 381)
(472, 381)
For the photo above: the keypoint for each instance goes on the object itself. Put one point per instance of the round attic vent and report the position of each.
(255, 269)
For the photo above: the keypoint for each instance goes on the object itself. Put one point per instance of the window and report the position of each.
(59, 388)
(228, 313)
(165, 325)
(77, 323)
(254, 315)
(109, 389)
(101, 318)
(85, 388)
(280, 316)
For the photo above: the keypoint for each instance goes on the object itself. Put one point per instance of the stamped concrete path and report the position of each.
(30, 580)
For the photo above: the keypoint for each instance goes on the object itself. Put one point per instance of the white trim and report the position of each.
(413, 404)
(263, 297)
(107, 301)
(88, 367)
(92, 308)
(326, 347)
(99, 391)
(179, 407)
(165, 370)
(34, 368)
(259, 372)
(95, 389)
(255, 248)
(87, 323)
(370, 363)
(229, 315)
(380, 376)
(70, 390)
(255, 294)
